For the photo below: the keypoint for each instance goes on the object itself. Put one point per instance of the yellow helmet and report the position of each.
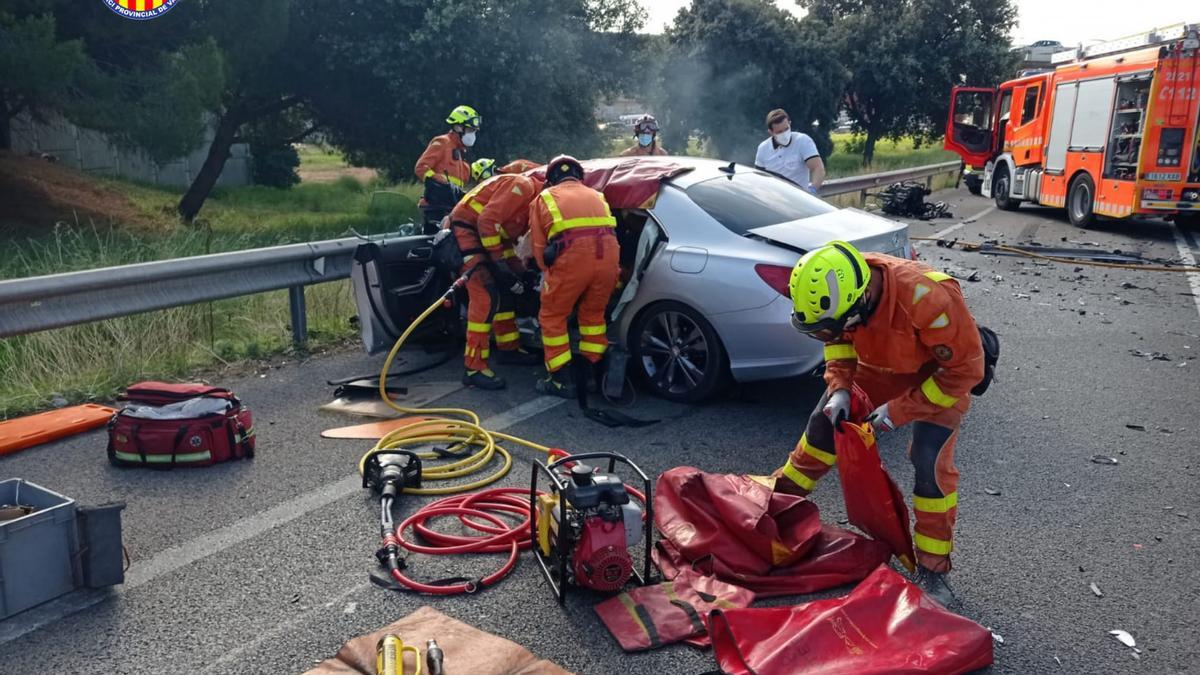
(466, 116)
(483, 168)
(826, 286)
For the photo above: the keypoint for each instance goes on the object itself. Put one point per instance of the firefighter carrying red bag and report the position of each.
(901, 331)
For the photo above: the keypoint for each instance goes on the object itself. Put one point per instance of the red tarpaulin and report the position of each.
(627, 182)
(739, 529)
(884, 626)
(873, 502)
(676, 610)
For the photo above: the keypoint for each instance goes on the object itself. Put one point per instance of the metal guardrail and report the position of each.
(842, 186)
(57, 300)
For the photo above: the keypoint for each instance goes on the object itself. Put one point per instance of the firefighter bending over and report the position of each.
(902, 332)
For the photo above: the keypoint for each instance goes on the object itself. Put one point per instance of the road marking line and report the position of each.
(219, 540)
(1185, 255)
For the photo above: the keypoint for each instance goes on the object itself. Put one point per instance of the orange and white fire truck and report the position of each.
(1111, 130)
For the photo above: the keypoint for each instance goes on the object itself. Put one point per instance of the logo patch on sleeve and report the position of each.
(943, 352)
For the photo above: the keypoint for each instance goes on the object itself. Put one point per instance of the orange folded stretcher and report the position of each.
(26, 432)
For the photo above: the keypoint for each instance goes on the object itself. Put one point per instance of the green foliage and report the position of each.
(726, 63)
(37, 70)
(903, 56)
(890, 154)
(274, 164)
(533, 70)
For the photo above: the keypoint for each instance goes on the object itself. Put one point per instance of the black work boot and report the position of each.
(517, 357)
(483, 379)
(557, 383)
(935, 585)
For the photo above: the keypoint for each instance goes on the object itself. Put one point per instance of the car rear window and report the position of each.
(751, 199)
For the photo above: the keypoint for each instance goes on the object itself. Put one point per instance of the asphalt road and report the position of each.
(261, 567)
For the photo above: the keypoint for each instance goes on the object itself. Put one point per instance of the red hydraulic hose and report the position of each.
(479, 511)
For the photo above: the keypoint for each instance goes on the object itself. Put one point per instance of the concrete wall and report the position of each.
(89, 150)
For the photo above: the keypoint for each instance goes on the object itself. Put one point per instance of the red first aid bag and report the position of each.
(652, 616)
(884, 626)
(873, 502)
(166, 425)
(738, 529)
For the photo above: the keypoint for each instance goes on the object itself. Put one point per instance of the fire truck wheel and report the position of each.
(1081, 201)
(1002, 188)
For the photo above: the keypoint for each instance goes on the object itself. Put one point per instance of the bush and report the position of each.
(274, 165)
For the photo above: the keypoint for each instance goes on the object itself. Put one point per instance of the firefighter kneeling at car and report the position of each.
(902, 332)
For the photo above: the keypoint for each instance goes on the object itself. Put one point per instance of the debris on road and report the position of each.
(963, 276)
(1096, 590)
(991, 491)
(1124, 637)
(1102, 459)
(1181, 514)
(996, 636)
(1150, 356)
(1135, 427)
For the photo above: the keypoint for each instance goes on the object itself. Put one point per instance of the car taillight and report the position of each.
(1157, 193)
(776, 276)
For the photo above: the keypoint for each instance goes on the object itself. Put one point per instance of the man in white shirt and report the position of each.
(790, 154)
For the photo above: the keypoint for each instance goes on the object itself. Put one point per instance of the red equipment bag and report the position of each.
(168, 425)
(652, 616)
(874, 504)
(738, 529)
(884, 626)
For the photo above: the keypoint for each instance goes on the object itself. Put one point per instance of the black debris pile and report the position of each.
(907, 199)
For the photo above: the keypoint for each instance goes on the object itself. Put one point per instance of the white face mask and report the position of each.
(784, 137)
(468, 138)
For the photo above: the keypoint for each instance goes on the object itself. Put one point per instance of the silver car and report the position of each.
(708, 265)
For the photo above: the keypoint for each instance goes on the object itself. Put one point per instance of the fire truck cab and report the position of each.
(1113, 130)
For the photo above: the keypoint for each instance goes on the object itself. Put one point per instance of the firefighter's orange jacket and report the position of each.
(444, 160)
(638, 150)
(499, 209)
(578, 206)
(921, 331)
(518, 166)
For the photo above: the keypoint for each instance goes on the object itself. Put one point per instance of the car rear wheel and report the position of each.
(676, 353)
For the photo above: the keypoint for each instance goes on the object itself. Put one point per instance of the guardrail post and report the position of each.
(299, 316)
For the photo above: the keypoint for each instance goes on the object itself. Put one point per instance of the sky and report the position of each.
(1068, 21)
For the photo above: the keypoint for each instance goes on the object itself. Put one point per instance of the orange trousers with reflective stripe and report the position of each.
(935, 492)
(489, 311)
(581, 280)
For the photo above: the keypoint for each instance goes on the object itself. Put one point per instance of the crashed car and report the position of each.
(707, 248)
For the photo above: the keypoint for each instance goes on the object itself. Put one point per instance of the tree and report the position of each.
(904, 55)
(37, 71)
(533, 70)
(726, 63)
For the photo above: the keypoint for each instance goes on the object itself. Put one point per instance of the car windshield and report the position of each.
(751, 199)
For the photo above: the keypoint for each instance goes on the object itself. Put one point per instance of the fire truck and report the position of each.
(1110, 130)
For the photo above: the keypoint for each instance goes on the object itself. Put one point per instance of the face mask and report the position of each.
(784, 137)
(468, 138)
(646, 139)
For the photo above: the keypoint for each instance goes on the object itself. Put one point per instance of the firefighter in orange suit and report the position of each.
(573, 235)
(902, 332)
(645, 130)
(443, 167)
(487, 223)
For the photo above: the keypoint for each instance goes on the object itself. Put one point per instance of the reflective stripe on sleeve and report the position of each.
(840, 352)
(935, 394)
(793, 474)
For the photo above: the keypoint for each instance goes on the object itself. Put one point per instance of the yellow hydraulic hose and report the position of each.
(462, 430)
